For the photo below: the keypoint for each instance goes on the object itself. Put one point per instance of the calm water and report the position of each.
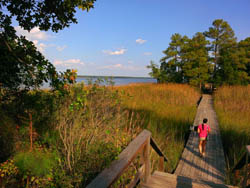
(116, 80)
(119, 80)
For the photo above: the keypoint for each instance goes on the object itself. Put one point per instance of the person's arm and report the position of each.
(208, 129)
(198, 129)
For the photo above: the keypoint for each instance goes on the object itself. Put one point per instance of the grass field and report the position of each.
(232, 105)
(167, 110)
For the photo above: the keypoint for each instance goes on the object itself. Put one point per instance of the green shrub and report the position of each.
(35, 163)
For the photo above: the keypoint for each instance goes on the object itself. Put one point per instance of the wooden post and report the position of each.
(161, 164)
(147, 160)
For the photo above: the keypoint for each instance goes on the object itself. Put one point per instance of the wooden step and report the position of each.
(161, 180)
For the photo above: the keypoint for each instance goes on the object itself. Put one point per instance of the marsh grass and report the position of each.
(88, 128)
(232, 105)
(167, 110)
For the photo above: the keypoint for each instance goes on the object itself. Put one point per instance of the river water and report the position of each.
(117, 80)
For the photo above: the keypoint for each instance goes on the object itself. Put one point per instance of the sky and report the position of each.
(121, 37)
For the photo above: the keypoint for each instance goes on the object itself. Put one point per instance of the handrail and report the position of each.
(244, 183)
(241, 163)
(140, 145)
(248, 149)
(245, 159)
(157, 149)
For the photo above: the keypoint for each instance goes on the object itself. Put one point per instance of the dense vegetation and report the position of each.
(72, 138)
(76, 135)
(213, 56)
(232, 106)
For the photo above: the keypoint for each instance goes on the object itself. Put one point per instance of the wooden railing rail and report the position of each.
(243, 162)
(246, 177)
(140, 145)
(157, 149)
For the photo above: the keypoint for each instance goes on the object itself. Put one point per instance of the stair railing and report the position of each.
(139, 146)
(243, 162)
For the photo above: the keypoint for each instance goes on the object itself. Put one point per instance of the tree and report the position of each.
(196, 68)
(234, 64)
(244, 51)
(171, 64)
(22, 66)
(156, 72)
(221, 36)
(54, 15)
(220, 60)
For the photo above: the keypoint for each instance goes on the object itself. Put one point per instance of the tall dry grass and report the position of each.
(167, 110)
(89, 127)
(232, 105)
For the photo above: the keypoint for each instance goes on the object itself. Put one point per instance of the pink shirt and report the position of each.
(203, 132)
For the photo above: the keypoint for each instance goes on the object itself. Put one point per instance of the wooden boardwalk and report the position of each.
(212, 166)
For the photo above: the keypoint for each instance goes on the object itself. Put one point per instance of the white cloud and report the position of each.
(61, 48)
(147, 53)
(117, 52)
(34, 34)
(140, 41)
(74, 61)
(69, 62)
(40, 46)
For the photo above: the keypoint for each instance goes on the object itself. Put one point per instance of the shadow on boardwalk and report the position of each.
(212, 167)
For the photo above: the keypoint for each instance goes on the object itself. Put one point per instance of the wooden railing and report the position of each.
(139, 146)
(243, 162)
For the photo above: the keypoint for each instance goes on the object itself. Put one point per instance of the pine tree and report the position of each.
(221, 36)
(234, 64)
(196, 68)
(171, 64)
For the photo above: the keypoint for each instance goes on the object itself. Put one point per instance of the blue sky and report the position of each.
(121, 37)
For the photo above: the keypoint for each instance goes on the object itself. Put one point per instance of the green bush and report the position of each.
(35, 163)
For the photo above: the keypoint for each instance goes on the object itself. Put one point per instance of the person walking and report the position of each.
(203, 130)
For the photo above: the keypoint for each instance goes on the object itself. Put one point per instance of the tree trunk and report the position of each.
(31, 131)
(215, 56)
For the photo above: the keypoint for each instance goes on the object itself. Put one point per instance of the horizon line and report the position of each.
(94, 76)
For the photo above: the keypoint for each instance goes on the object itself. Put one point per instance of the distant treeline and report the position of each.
(213, 56)
(112, 77)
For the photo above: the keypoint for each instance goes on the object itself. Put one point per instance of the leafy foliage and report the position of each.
(54, 15)
(171, 64)
(156, 72)
(34, 163)
(75, 135)
(212, 56)
(22, 66)
(222, 36)
(196, 68)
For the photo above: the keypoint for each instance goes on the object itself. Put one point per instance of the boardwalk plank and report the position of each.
(212, 167)
(161, 179)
